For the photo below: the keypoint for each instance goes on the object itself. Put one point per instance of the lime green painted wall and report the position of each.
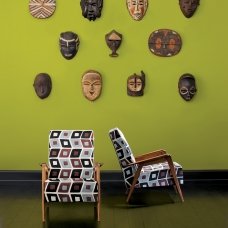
(195, 132)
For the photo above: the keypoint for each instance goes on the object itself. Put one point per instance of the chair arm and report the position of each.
(149, 161)
(150, 155)
(97, 171)
(45, 169)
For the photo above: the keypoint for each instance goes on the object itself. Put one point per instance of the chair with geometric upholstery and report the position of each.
(148, 170)
(71, 175)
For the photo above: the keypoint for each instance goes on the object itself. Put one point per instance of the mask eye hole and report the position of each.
(183, 91)
(192, 90)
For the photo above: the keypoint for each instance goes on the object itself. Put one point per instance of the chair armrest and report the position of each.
(45, 169)
(150, 155)
(152, 160)
(97, 171)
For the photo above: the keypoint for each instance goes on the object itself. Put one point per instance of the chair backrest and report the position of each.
(71, 154)
(124, 154)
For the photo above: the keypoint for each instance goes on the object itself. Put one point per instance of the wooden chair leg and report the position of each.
(43, 210)
(172, 169)
(98, 211)
(137, 173)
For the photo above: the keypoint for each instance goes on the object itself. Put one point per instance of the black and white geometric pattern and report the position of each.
(42, 8)
(151, 175)
(71, 175)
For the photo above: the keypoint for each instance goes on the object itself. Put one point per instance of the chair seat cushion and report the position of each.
(158, 175)
(71, 190)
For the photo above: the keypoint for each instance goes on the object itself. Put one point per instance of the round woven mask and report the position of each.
(42, 8)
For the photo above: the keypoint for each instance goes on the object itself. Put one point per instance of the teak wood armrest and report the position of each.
(150, 154)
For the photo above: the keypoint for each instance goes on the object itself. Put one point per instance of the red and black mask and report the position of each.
(164, 42)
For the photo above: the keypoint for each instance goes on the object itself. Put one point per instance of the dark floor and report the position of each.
(205, 206)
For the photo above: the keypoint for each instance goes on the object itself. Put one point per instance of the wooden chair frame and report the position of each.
(153, 158)
(45, 170)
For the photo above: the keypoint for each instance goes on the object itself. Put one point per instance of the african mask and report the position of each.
(42, 85)
(91, 84)
(69, 44)
(136, 84)
(42, 8)
(91, 9)
(188, 7)
(165, 42)
(137, 8)
(113, 40)
(187, 86)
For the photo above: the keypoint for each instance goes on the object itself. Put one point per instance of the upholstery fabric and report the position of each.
(71, 174)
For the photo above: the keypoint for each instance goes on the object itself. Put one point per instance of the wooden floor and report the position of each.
(205, 206)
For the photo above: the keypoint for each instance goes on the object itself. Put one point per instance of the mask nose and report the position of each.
(137, 8)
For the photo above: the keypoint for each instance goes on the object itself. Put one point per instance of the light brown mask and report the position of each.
(137, 8)
(136, 84)
(91, 84)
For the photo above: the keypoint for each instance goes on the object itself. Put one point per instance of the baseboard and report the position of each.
(218, 176)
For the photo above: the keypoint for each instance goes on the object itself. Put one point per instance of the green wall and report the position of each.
(194, 132)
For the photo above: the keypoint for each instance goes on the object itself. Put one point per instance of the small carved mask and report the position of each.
(42, 85)
(187, 86)
(91, 84)
(137, 8)
(113, 40)
(69, 44)
(136, 85)
(42, 9)
(188, 7)
(91, 9)
(164, 42)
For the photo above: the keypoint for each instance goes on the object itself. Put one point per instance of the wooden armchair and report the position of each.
(148, 170)
(71, 175)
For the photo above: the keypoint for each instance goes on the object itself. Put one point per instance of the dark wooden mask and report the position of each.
(42, 85)
(113, 40)
(91, 9)
(165, 42)
(69, 44)
(187, 86)
(188, 7)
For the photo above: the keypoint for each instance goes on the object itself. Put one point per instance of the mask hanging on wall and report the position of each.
(164, 42)
(91, 9)
(113, 40)
(69, 44)
(136, 85)
(42, 8)
(188, 7)
(187, 86)
(42, 85)
(137, 8)
(91, 84)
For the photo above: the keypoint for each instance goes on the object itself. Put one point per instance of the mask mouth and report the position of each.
(91, 93)
(68, 55)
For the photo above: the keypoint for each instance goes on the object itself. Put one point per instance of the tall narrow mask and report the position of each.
(42, 85)
(91, 84)
(91, 9)
(188, 7)
(69, 44)
(136, 85)
(137, 8)
(187, 86)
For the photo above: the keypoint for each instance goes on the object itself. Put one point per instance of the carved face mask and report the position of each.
(136, 84)
(137, 8)
(91, 9)
(69, 44)
(42, 85)
(188, 7)
(91, 85)
(113, 40)
(187, 86)
(42, 8)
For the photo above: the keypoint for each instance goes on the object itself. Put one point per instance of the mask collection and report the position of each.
(162, 42)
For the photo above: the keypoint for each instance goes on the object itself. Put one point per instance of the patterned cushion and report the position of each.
(71, 175)
(151, 175)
